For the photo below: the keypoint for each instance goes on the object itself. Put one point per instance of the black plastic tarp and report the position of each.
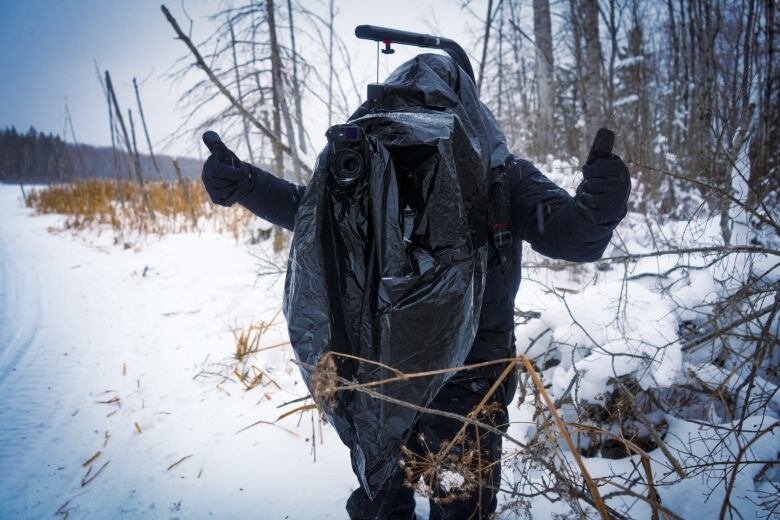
(392, 268)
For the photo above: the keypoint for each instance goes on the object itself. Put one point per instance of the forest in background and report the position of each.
(33, 157)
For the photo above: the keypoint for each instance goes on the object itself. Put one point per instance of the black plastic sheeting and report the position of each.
(392, 268)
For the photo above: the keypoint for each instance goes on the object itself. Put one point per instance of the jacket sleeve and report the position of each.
(563, 232)
(273, 199)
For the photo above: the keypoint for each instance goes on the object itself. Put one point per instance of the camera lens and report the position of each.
(351, 165)
(348, 166)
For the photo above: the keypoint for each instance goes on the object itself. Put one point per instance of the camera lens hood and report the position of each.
(347, 166)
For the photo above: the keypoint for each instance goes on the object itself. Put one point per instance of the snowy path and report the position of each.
(80, 323)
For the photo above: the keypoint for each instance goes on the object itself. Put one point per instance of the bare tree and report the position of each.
(296, 80)
(630, 100)
(79, 154)
(485, 44)
(276, 86)
(592, 98)
(112, 130)
(244, 121)
(544, 130)
(219, 79)
(186, 193)
(146, 131)
(331, 17)
(764, 151)
(129, 147)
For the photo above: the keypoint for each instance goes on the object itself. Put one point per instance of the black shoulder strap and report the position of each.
(500, 218)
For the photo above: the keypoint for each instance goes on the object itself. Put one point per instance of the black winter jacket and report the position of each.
(568, 235)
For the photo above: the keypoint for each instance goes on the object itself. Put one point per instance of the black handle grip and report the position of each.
(602, 145)
(382, 34)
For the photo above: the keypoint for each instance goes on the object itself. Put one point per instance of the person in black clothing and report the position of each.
(575, 228)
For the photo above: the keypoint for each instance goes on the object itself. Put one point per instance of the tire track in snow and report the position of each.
(42, 359)
(18, 319)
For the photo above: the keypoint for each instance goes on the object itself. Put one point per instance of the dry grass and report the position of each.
(177, 208)
(248, 338)
(178, 462)
(457, 469)
(253, 376)
(248, 342)
(245, 365)
(445, 477)
(91, 459)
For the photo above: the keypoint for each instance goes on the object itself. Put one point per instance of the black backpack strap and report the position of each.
(500, 219)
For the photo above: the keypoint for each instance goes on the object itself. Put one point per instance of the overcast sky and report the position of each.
(48, 50)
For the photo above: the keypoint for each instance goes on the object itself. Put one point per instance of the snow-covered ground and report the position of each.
(123, 352)
(84, 323)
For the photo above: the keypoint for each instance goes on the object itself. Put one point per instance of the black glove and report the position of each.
(603, 195)
(227, 181)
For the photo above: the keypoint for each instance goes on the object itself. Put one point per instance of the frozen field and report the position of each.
(123, 352)
(95, 338)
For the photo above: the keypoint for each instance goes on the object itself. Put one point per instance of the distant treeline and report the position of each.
(35, 157)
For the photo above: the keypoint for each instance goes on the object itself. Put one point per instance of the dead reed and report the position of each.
(177, 208)
(243, 365)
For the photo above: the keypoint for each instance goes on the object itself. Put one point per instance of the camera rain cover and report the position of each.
(390, 268)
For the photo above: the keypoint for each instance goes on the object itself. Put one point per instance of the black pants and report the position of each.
(395, 501)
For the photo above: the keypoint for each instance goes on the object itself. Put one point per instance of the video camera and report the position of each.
(349, 153)
(347, 143)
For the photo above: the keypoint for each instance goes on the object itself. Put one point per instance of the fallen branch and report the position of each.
(296, 410)
(628, 492)
(574, 490)
(717, 332)
(693, 250)
(723, 192)
(594, 491)
(201, 63)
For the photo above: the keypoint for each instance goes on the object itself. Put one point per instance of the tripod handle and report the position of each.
(387, 35)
